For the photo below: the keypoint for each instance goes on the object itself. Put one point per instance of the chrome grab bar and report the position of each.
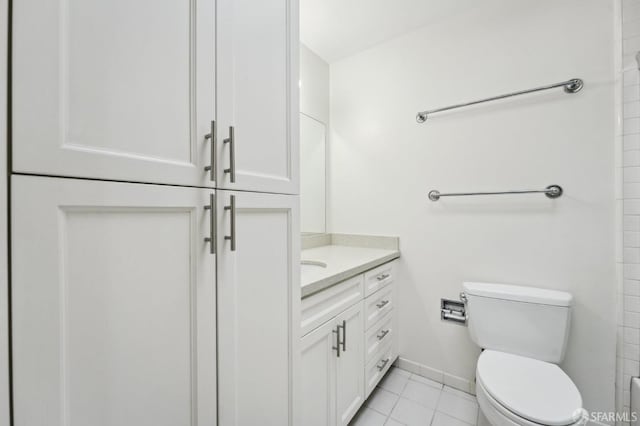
(551, 191)
(570, 86)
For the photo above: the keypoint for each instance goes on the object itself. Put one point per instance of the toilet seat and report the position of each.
(527, 391)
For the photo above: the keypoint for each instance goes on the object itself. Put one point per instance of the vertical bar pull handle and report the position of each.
(211, 239)
(344, 335)
(337, 346)
(212, 167)
(232, 154)
(232, 237)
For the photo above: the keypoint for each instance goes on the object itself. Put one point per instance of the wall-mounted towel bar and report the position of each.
(570, 86)
(551, 191)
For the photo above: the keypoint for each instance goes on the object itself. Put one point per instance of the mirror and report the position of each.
(313, 136)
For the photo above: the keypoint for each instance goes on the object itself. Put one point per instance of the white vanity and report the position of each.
(348, 324)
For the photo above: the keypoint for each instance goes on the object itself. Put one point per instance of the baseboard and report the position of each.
(436, 375)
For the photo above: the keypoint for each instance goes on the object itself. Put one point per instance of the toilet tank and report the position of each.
(527, 321)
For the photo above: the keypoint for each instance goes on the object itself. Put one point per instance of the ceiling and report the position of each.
(335, 29)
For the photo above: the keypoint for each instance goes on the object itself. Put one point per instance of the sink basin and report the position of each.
(310, 266)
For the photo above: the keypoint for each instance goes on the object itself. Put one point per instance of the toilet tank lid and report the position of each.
(541, 296)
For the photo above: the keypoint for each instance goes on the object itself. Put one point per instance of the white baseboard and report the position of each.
(437, 375)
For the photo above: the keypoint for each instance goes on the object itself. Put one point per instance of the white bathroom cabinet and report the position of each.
(151, 301)
(258, 95)
(126, 91)
(113, 304)
(258, 294)
(338, 374)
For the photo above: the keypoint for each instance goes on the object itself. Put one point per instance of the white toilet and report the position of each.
(523, 332)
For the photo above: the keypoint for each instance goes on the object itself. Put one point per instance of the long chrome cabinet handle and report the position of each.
(232, 154)
(337, 346)
(232, 237)
(212, 168)
(211, 239)
(382, 277)
(344, 335)
(382, 334)
(384, 364)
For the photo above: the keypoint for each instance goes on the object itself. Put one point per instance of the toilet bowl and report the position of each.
(513, 390)
(524, 333)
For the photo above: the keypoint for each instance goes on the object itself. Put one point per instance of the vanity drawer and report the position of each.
(321, 307)
(379, 277)
(377, 305)
(379, 336)
(377, 367)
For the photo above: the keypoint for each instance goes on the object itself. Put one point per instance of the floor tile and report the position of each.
(411, 413)
(391, 422)
(426, 381)
(395, 381)
(459, 407)
(459, 393)
(400, 371)
(441, 419)
(368, 417)
(382, 401)
(423, 394)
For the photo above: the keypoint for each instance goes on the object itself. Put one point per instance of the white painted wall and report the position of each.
(383, 164)
(314, 121)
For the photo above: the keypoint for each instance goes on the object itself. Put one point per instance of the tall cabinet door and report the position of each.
(258, 308)
(114, 307)
(350, 364)
(117, 89)
(318, 376)
(258, 95)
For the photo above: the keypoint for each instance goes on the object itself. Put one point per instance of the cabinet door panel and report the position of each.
(258, 93)
(107, 89)
(350, 364)
(113, 304)
(259, 308)
(318, 376)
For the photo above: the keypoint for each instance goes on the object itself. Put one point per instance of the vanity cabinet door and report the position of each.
(318, 376)
(350, 364)
(113, 304)
(114, 89)
(257, 87)
(258, 307)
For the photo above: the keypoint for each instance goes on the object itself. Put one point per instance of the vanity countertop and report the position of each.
(343, 262)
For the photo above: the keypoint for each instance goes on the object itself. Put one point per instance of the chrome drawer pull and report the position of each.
(384, 363)
(231, 140)
(211, 239)
(382, 304)
(337, 346)
(232, 237)
(212, 168)
(382, 277)
(382, 334)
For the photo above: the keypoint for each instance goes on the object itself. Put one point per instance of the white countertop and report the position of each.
(343, 262)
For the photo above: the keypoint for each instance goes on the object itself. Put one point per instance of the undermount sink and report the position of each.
(311, 265)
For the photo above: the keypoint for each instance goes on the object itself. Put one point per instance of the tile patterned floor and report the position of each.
(403, 398)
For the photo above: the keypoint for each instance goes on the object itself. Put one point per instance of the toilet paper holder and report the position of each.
(453, 311)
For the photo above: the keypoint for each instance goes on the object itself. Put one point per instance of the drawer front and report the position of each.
(378, 278)
(377, 367)
(321, 307)
(378, 305)
(379, 336)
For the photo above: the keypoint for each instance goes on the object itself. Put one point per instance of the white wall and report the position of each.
(383, 164)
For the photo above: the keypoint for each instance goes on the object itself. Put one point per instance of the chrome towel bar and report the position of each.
(551, 191)
(570, 86)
